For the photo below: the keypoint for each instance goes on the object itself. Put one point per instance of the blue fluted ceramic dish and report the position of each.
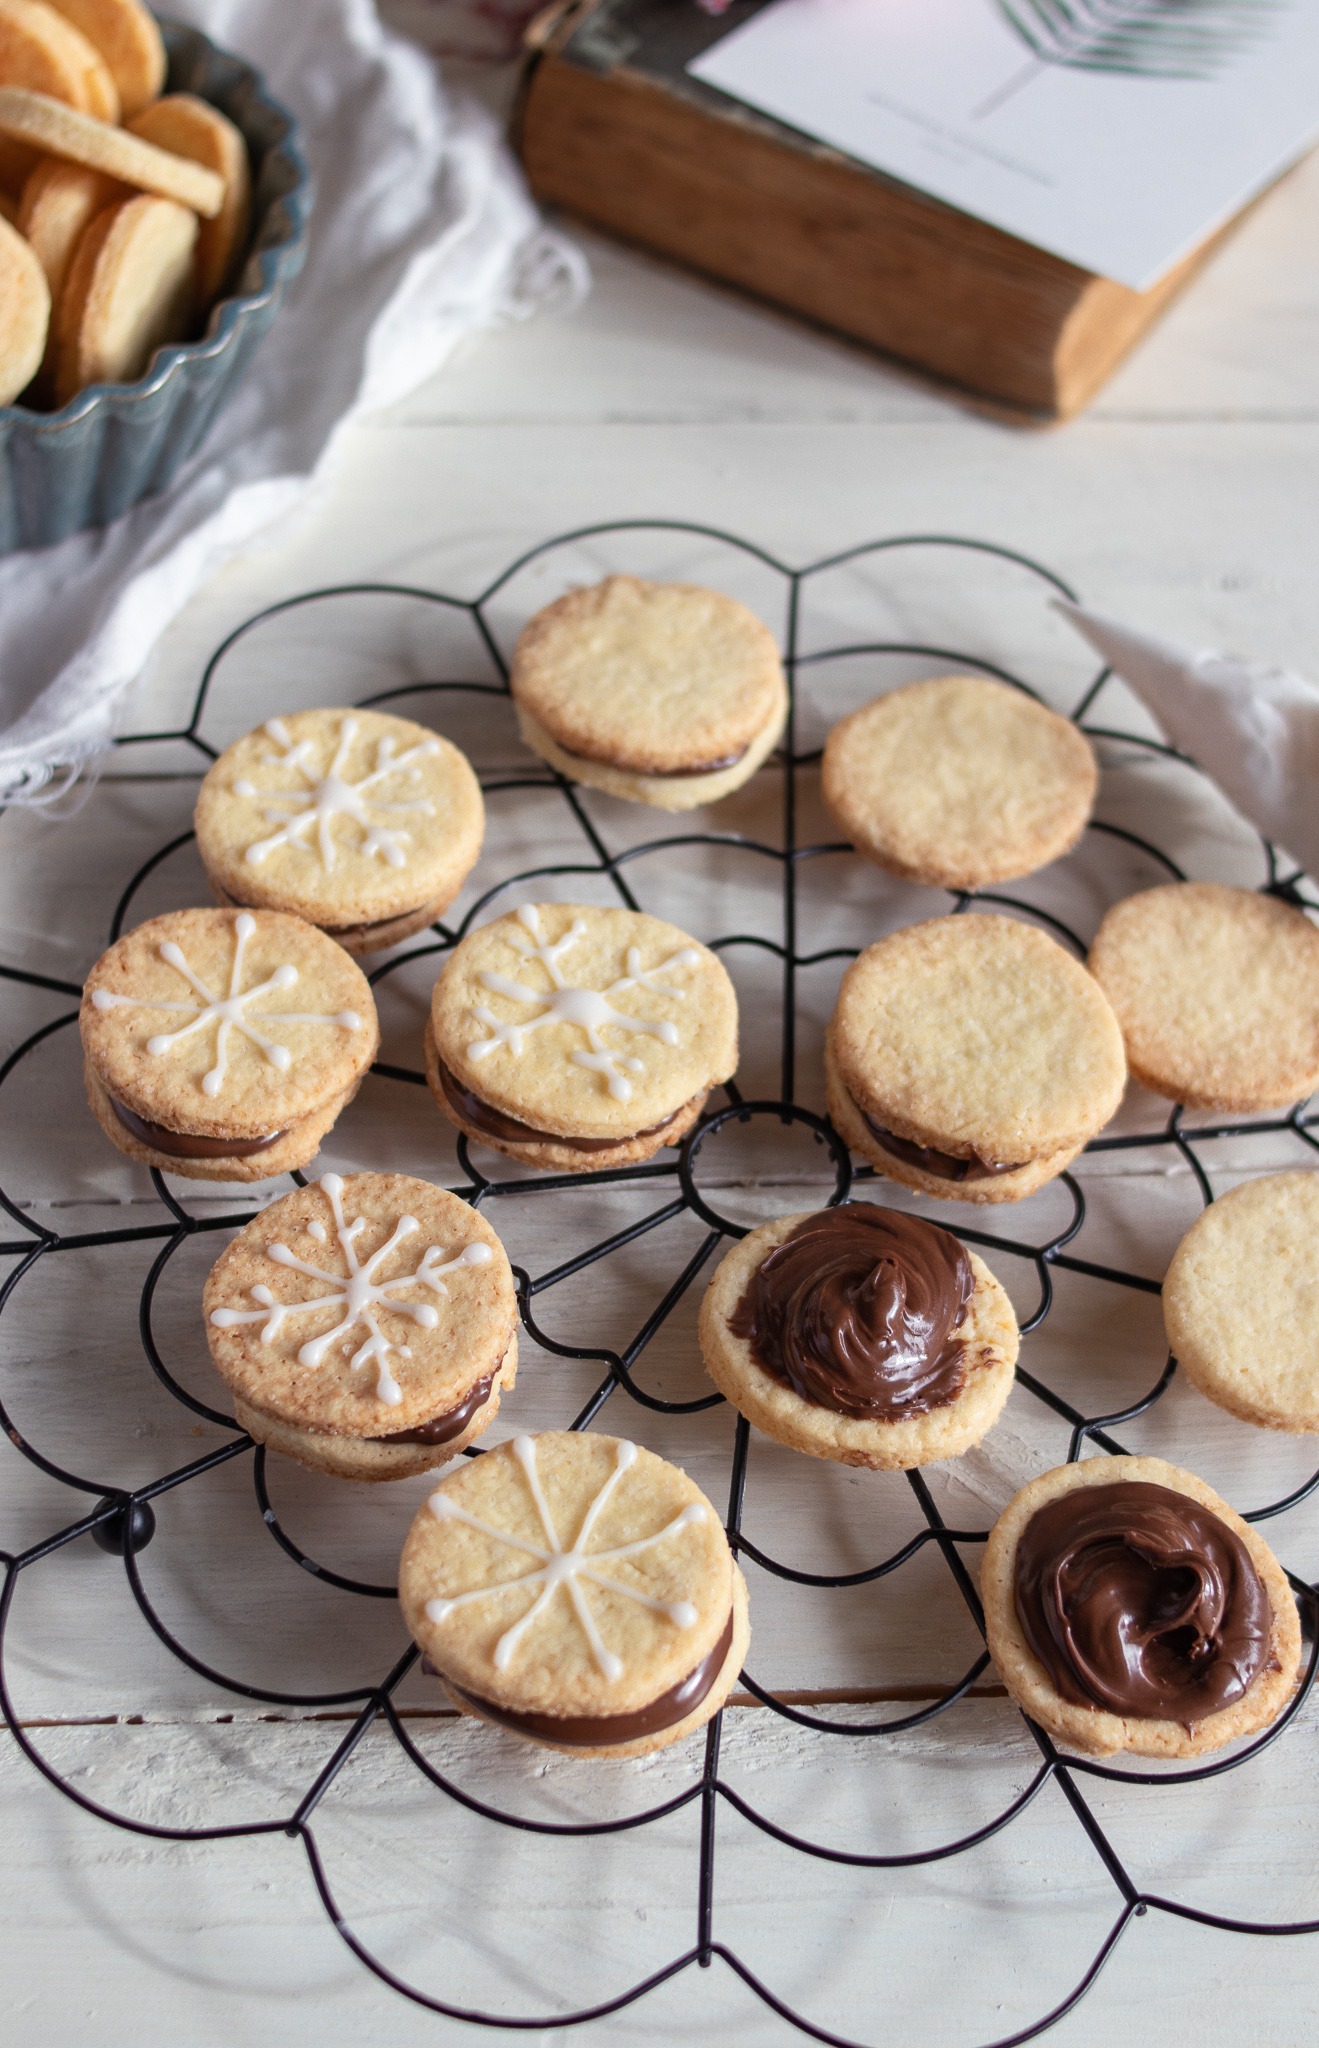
(115, 444)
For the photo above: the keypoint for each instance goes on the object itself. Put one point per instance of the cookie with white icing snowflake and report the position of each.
(222, 1044)
(362, 823)
(579, 1591)
(365, 1326)
(570, 1036)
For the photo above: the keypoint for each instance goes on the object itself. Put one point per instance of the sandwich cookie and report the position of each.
(364, 824)
(578, 1591)
(223, 1044)
(971, 1058)
(662, 693)
(959, 781)
(573, 1037)
(365, 1326)
(860, 1334)
(1128, 1608)
(1217, 993)
(1241, 1302)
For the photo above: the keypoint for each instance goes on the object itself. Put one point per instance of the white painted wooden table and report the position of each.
(1185, 500)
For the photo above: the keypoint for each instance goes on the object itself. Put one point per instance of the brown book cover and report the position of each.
(610, 126)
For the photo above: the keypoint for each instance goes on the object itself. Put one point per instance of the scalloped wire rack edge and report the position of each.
(122, 1523)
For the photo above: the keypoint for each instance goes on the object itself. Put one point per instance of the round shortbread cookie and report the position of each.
(362, 823)
(584, 1023)
(126, 36)
(1095, 1731)
(59, 202)
(1241, 1302)
(1217, 993)
(42, 52)
(662, 792)
(24, 313)
(654, 679)
(987, 1332)
(128, 292)
(580, 1578)
(972, 1039)
(959, 781)
(48, 124)
(191, 127)
(359, 1308)
(224, 1025)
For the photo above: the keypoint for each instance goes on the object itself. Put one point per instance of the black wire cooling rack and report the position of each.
(123, 1523)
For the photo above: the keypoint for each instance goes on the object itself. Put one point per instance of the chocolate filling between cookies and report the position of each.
(943, 1165)
(495, 1123)
(654, 774)
(442, 1429)
(188, 1144)
(333, 931)
(857, 1311)
(1138, 1600)
(598, 1731)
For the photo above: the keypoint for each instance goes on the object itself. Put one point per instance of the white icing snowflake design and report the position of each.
(329, 795)
(591, 1010)
(227, 1013)
(357, 1292)
(558, 1566)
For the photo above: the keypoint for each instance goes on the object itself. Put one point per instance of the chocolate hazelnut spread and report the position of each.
(1137, 1599)
(857, 1311)
(494, 1123)
(595, 1731)
(944, 1165)
(603, 760)
(335, 931)
(442, 1429)
(186, 1144)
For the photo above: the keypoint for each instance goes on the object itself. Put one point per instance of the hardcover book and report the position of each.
(1003, 193)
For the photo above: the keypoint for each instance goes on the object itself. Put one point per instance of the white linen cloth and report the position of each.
(1255, 729)
(422, 232)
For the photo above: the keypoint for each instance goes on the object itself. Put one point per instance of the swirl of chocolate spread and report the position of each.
(856, 1310)
(1137, 1599)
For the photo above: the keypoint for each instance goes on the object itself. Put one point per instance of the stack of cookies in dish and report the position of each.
(125, 215)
